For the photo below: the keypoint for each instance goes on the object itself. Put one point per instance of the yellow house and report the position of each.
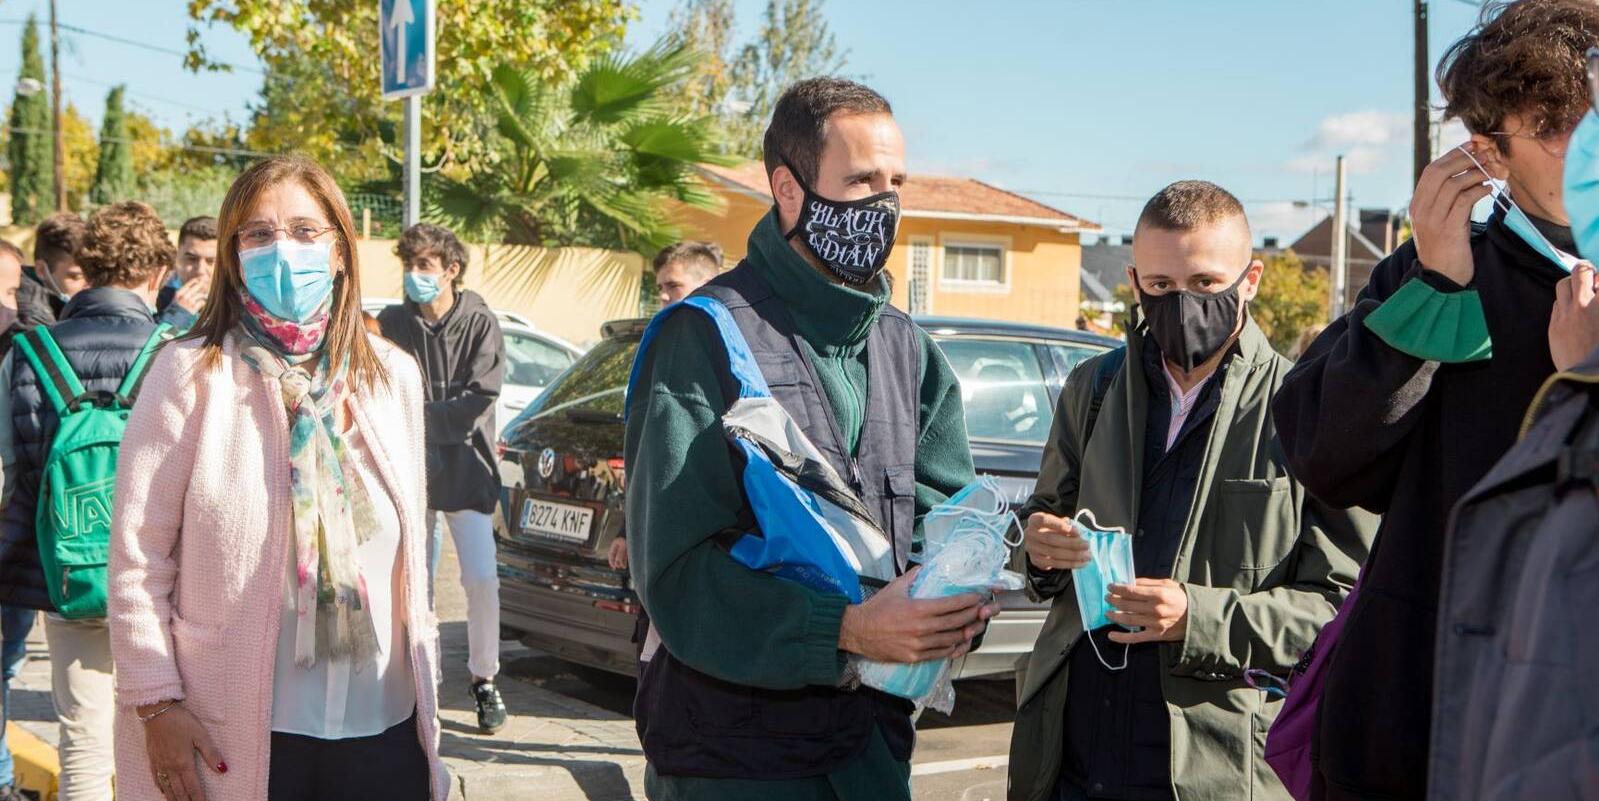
(964, 249)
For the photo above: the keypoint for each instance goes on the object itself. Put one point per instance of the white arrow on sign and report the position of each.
(401, 17)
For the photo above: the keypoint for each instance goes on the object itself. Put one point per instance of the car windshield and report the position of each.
(531, 361)
(1002, 385)
(605, 369)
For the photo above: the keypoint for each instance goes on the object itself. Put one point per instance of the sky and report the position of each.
(1087, 105)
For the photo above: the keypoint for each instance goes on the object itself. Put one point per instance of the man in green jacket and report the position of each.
(1236, 567)
(743, 693)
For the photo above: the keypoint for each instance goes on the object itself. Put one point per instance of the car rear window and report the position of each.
(531, 361)
(1002, 385)
(604, 368)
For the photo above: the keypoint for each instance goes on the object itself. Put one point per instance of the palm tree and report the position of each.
(597, 161)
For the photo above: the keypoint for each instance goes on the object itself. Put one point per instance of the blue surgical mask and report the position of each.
(1582, 185)
(1516, 220)
(175, 282)
(1110, 562)
(422, 288)
(289, 279)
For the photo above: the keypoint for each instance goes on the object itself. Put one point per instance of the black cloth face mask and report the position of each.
(1188, 326)
(851, 238)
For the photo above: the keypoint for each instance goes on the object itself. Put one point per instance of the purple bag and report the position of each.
(1288, 742)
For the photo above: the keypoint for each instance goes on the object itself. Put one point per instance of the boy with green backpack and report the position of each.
(65, 395)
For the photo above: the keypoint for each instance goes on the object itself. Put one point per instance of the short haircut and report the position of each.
(201, 228)
(8, 249)
(706, 256)
(1187, 205)
(799, 121)
(1525, 58)
(426, 239)
(125, 244)
(59, 234)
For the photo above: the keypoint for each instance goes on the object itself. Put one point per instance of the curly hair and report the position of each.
(426, 239)
(124, 244)
(1525, 58)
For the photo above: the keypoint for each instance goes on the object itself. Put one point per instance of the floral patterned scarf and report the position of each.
(332, 513)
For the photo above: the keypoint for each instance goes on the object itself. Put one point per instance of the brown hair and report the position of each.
(346, 330)
(799, 121)
(59, 233)
(426, 239)
(708, 255)
(13, 251)
(1187, 205)
(124, 245)
(201, 228)
(1525, 58)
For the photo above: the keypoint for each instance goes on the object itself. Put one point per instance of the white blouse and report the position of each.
(333, 699)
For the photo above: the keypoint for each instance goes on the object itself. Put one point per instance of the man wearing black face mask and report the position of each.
(1237, 567)
(742, 694)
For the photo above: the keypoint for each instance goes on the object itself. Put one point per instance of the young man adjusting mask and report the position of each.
(743, 695)
(1234, 568)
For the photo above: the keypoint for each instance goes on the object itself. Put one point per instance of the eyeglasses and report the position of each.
(304, 231)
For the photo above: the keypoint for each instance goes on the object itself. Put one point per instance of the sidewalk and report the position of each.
(553, 748)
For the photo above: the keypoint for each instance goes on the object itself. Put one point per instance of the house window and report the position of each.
(974, 263)
(921, 275)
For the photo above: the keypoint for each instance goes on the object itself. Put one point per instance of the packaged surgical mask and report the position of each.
(967, 548)
(1110, 562)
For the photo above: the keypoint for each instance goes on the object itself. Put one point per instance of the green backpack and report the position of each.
(73, 521)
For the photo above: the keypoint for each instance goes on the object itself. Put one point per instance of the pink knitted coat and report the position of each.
(200, 537)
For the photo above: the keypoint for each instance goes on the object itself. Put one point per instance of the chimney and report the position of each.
(1269, 243)
(1127, 239)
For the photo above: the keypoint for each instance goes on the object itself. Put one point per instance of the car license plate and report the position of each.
(557, 520)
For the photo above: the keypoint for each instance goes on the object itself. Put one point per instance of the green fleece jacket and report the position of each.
(713, 613)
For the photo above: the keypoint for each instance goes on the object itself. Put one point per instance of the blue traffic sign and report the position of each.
(406, 30)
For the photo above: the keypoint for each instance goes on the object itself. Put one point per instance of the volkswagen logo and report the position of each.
(547, 463)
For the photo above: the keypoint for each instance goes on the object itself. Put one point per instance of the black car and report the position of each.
(563, 475)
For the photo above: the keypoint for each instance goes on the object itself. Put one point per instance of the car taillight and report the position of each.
(618, 468)
(617, 606)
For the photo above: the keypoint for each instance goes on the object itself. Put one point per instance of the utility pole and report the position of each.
(60, 154)
(1340, 245)
(413, 160)
(1423, 122)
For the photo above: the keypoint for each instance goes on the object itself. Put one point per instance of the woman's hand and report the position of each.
(171, 738)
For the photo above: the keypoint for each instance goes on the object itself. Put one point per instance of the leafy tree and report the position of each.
(29, 148)
(705, 26)
(793, 43)
(322, 88)
(81, 156)
(113, 177)
(594, 160)
(1291, 299)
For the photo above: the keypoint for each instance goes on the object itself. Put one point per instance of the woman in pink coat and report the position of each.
(268, 605)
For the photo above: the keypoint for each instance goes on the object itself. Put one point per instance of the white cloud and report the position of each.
(1366, 139)
(1282, 219)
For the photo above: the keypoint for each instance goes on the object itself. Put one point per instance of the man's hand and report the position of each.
(891, 626)
(191, 296)
(1574, 325)
(1440, 213)
(1053, 543)
(1160, 606)
(618, 554)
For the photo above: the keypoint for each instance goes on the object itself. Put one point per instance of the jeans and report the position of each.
(480, 577)
(15, 624)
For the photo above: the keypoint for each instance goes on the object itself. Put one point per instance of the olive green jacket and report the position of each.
(1264, 565)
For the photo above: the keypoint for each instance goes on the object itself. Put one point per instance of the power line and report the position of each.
(174, 145)
(136, 43)
(132, 92)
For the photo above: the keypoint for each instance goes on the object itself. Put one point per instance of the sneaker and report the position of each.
(490, 708)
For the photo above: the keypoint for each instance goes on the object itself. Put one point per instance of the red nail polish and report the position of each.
(222, 767)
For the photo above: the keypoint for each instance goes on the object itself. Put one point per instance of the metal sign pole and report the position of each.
(413, 160)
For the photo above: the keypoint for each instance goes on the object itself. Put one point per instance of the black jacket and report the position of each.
(101, 332)
(462, 357)
(37, 304)
(1366, 425)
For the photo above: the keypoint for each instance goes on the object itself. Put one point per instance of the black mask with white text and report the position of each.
(851, 238)
(1190, 327)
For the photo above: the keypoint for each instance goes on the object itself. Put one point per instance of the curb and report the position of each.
(37, 766)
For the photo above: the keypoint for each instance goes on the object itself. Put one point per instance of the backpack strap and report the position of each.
(128, 391)
(1104, 373)
(56, 377)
